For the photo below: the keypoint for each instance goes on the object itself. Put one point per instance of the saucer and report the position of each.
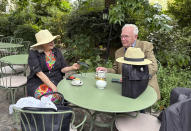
(74, 84)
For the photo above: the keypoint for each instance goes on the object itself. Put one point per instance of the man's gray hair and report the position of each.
(136, 31)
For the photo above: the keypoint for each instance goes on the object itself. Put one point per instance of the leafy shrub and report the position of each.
(27, 32)
(92, 25)
(169, 78)
(5, 26)
(173, 48)
(181, 9)
(149, 18)
(79, 47)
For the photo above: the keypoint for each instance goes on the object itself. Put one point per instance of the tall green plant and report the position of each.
(148, 18)
(169, 78)
(173, 48)
(181, 9)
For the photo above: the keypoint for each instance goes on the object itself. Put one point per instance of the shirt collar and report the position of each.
(133, 45)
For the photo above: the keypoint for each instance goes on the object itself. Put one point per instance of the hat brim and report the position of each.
(145, 62)
(45, 42)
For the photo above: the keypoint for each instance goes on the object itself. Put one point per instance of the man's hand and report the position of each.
(101, 69)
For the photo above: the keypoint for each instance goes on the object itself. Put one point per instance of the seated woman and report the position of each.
(47, 65)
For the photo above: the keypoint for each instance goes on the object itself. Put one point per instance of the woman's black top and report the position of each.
(37, 63)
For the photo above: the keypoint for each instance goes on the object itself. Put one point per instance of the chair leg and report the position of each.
(13, 92)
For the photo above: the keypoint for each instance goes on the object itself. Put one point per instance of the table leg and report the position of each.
(93, 121)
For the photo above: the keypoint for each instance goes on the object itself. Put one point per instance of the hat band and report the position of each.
(134, 59)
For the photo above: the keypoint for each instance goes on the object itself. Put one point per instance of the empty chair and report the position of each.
(141, 122)
(6, 39)
(10, 81)
(17, 40)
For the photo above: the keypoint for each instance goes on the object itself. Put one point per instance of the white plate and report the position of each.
(81, 83)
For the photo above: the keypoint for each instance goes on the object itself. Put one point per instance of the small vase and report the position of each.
(101, 84)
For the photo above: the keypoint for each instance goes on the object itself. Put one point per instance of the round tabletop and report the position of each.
(9, 45)
(16, 59)
(104, 100)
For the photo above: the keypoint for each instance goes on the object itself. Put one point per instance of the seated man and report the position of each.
(129, 36)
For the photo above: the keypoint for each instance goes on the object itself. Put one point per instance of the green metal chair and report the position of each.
(16, 40)
(11, 81)
(8, 68)
(6, 39)
(26, 47)
(60, 120)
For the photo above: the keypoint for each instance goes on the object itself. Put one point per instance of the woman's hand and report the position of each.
(75, 66)
(54, 90)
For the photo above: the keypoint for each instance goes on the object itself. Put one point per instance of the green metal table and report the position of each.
(107, 100)
(9, 45)
(21, 59)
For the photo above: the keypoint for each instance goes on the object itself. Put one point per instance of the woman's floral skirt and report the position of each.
(42, 89)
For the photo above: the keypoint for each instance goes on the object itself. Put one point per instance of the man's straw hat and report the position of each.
(44, 37)
(134, 56)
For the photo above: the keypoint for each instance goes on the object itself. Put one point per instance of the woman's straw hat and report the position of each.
(44, 37)
(134, 56)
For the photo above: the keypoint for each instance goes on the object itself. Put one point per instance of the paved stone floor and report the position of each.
(7, 122)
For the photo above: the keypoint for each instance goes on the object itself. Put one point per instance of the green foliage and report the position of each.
(9, 23)
(181, 9)
(148, 18)
(3, 5)
(27, 32)
(4, 26)
(91, 25)
(173, 48)
(35, 15)
(169, 78)
(79, 47)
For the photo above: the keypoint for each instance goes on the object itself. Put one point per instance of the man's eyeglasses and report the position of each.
(123, 36)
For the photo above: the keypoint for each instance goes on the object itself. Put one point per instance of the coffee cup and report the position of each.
(76, 81)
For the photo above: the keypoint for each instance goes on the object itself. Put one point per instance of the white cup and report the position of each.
(76, 81)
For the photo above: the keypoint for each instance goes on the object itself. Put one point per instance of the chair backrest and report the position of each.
(26, 47)
(47, 119)
(6, 39)
(17, 40)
